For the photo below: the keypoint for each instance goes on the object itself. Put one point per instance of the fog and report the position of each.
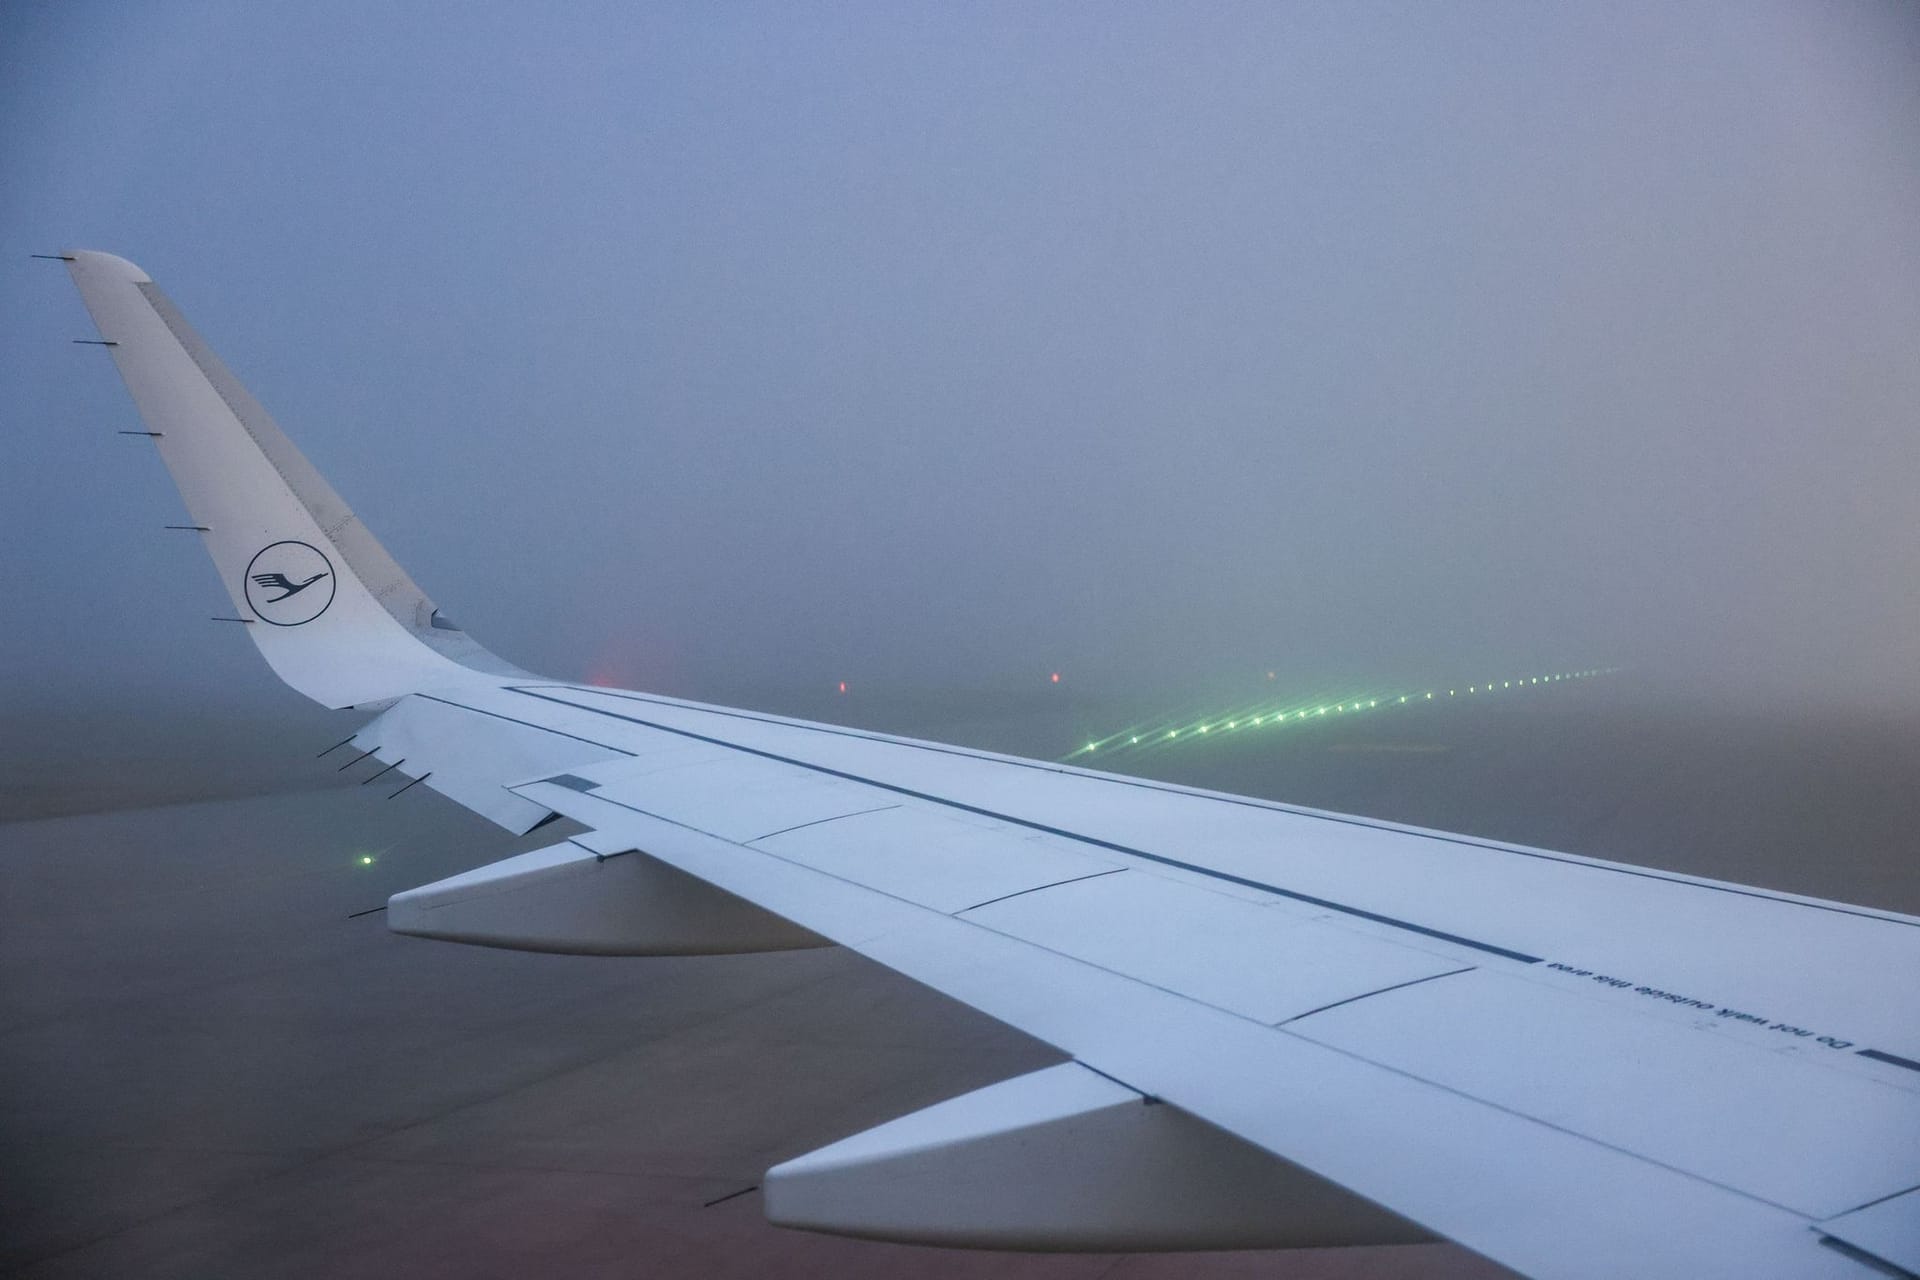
(734, 354)
(1215, 359)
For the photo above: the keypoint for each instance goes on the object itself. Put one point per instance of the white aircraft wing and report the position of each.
(1280, 1027)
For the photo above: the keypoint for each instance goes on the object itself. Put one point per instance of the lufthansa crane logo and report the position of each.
(289, 583)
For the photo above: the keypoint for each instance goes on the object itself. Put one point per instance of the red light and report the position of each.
(843, 686)
(1056, 677)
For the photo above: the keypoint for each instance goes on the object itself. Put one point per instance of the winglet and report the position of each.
(343, 623)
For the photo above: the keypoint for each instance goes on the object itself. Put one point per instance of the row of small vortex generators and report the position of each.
(1271, 716)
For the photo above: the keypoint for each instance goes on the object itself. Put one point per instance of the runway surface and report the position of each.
(207, 1068)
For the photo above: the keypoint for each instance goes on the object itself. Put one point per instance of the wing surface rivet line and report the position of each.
(1098, 843)
(838, 817)
(1367, 995)
(1345, 819)
(1019, 893)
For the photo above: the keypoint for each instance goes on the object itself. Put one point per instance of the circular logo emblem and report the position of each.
(289, 583)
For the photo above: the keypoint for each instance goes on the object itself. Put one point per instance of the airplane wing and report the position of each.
(1281, 1027)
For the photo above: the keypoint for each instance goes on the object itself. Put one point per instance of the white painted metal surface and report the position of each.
(464, 754)
(742, 799)
(1261, 962)
(265, 511)
(1888, 1230)
(935, 857)
(1540, 1199)
(1782, 1128)
(571, 899)
(1065, 1158)
(1577, 1068)
(1773, 957)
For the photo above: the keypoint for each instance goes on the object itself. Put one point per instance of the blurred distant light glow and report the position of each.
(1149, 737)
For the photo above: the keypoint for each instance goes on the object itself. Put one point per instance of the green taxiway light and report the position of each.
(366, 859)
(1279, 717)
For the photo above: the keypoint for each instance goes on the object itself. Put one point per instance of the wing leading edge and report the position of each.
(1285, 1026)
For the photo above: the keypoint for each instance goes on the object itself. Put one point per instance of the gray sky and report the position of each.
(708, 349)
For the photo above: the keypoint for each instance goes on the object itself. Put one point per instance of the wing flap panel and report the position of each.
(1722, 941)
(933, 857)
(730, 794)
(927, 854)
(1537, 1198)
(1268, 963)
(1770, 1124)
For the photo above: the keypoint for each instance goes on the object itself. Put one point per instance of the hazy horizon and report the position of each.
(1217, 358)
(940, 349)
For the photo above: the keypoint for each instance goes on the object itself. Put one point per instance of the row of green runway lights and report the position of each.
(1268, 716)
